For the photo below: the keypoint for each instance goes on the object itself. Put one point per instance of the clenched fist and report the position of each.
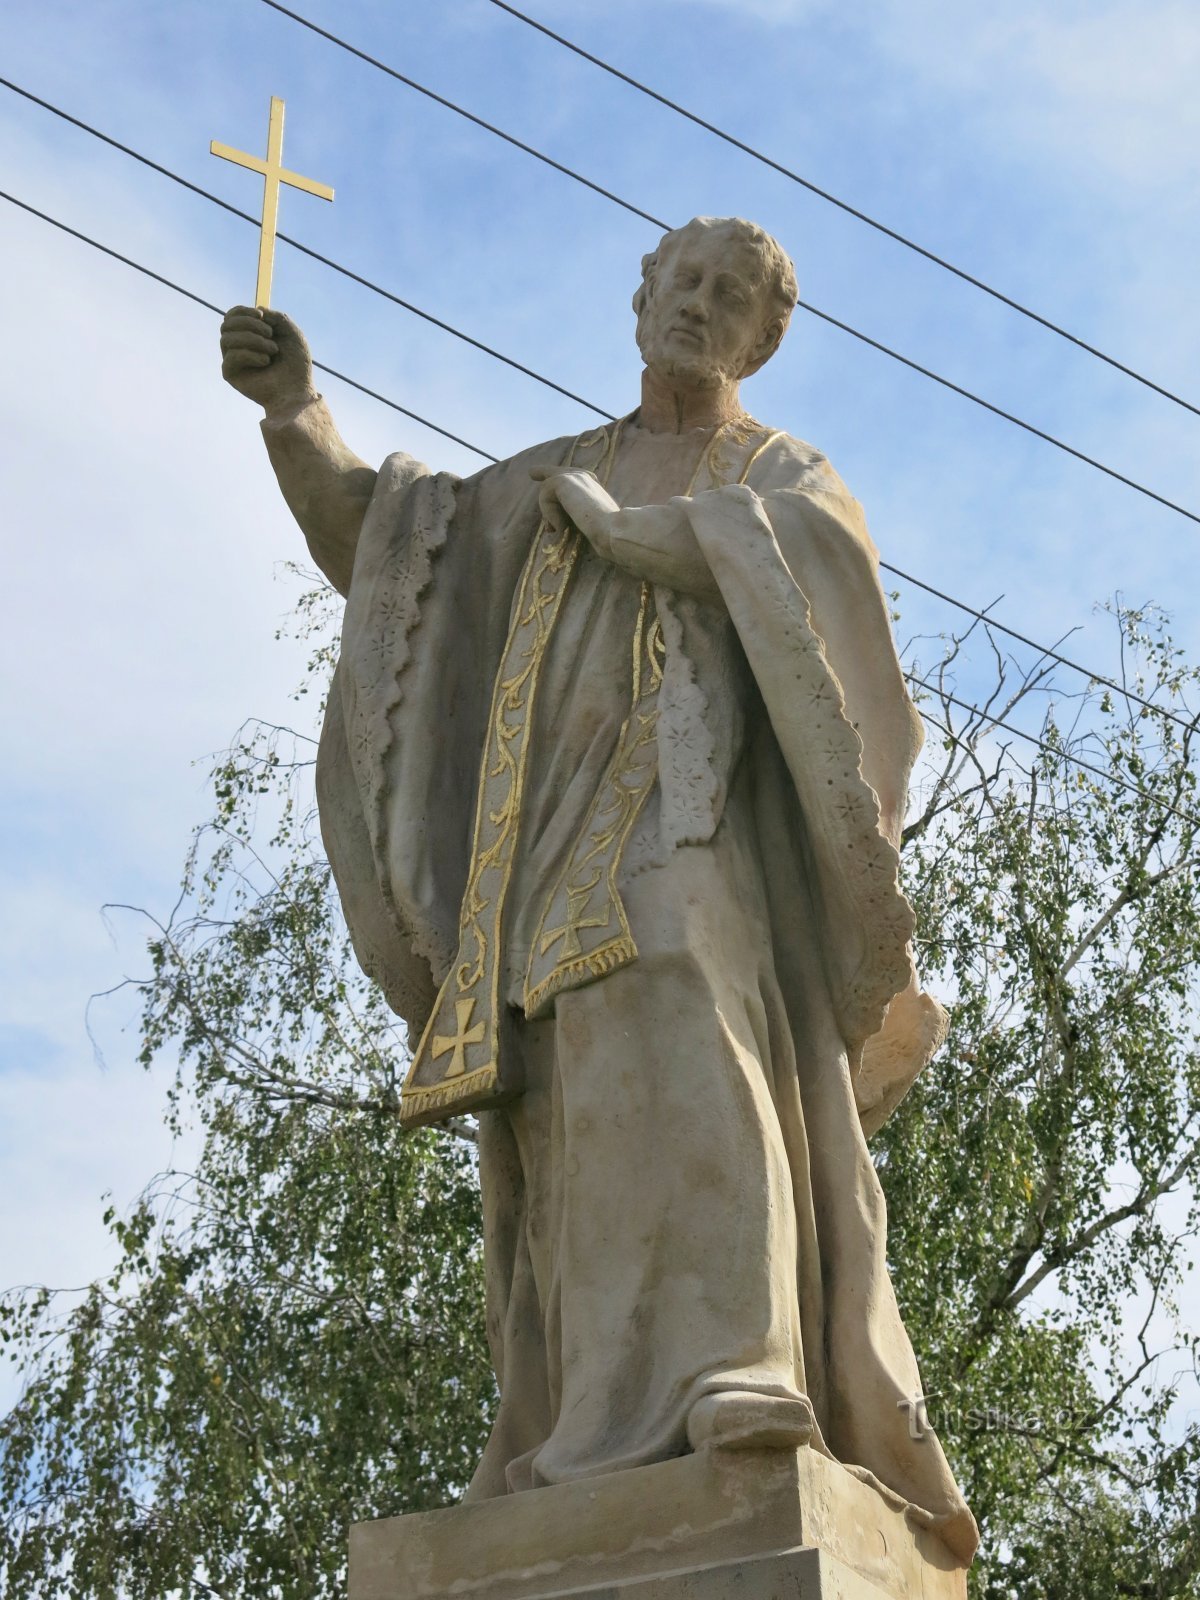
(265, 357)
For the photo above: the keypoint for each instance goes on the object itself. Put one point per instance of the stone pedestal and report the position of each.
(718, 1525)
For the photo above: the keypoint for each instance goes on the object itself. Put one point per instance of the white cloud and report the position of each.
(1107, 88)
(69, 1138)
(136, 632)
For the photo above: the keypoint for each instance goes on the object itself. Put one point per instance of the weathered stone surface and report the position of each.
(747, 1525)
(612, 780)
(790, 1575)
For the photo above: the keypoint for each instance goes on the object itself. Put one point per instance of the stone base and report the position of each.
(718, 1525)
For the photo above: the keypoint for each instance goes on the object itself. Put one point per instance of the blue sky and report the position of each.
(1053, 149)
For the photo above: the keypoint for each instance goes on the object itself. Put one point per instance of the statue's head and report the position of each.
(715, 300)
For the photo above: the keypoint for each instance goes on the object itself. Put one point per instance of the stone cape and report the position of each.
(438, 565)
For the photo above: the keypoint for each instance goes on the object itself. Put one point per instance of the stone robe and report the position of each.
(678, 1195)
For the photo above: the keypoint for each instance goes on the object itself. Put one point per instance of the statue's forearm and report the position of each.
(657, 543)
(326, 486)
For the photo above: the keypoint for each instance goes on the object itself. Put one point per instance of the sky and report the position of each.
(1052, 149)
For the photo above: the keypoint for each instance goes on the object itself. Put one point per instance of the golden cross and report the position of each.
(458, 1042)
(274, 173)
(577, 900)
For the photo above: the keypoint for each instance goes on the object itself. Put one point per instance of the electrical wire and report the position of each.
(1045, 650)
(451, 105)
(208, 305)
(844, 327)
(844, 205)
(1056, 750)
(313, 255)
(434, 427)
(539, 377)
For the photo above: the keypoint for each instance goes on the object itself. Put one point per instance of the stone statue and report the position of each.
(612, 779)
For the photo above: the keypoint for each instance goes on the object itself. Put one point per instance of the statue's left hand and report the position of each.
(575, 499)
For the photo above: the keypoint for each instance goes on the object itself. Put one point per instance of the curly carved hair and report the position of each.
(778, 273)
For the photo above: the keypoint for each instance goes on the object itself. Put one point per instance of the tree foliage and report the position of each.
(1042, 1175)
(291, 1337)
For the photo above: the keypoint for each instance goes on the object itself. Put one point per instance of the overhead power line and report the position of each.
(844, 205)
(314, 255)
(1056, 750)
(966, 705)
(407, 305)
(1045, 650)
(803, 305)
(1049, 652)
(451, 105)
(1007, 416)
(962, 605)
(169, 283)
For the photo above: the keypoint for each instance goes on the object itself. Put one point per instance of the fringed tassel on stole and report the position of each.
(581, 970)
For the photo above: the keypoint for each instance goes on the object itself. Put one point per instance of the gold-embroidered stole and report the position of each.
(456, 1065)
(583, 932)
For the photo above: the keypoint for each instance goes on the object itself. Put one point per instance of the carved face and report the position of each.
(706, 315)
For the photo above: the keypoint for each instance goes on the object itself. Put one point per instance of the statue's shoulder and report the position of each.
(788, 464)
(782, 461)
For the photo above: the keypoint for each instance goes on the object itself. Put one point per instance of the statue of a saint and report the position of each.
(612, 780)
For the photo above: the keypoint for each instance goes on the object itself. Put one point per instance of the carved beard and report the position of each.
(690, 374)
(701, 371)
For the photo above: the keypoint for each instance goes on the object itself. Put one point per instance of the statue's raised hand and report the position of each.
(265, 357)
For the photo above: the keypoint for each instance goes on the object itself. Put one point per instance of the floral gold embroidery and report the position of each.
(465, 1021)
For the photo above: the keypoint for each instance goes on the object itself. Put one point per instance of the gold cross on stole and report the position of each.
(577, 900)
(442, 1043)
(274, 173)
